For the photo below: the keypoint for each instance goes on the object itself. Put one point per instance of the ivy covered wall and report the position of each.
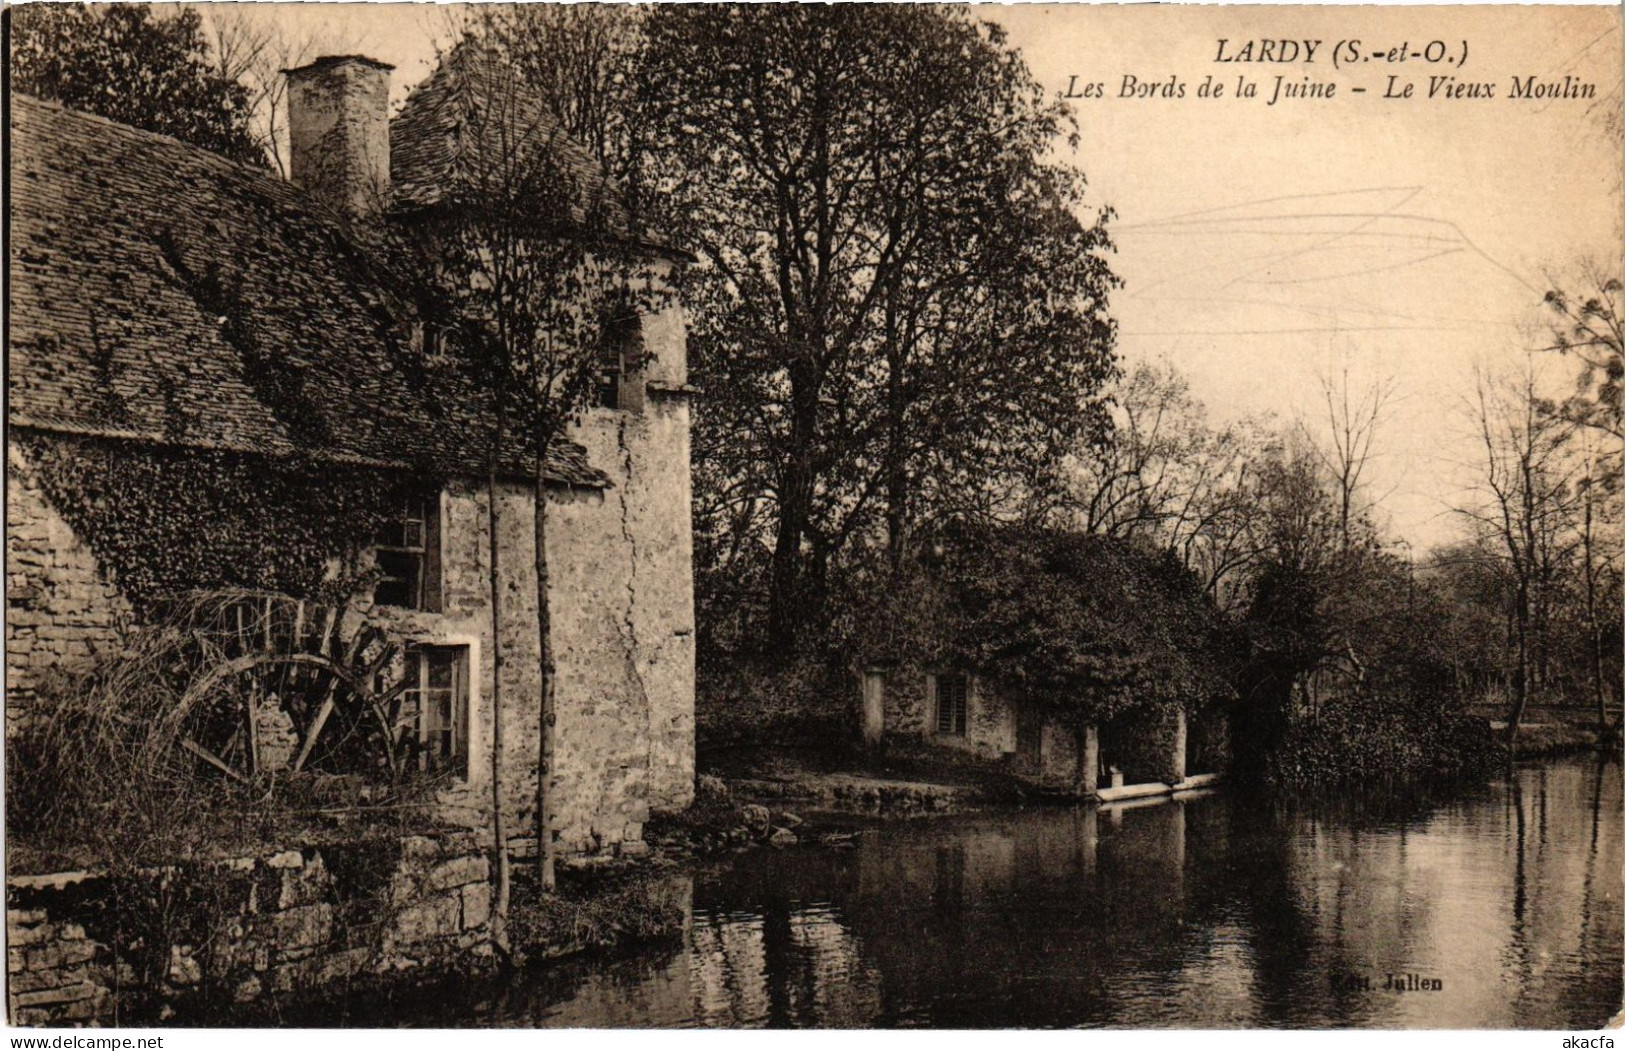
(164, 520)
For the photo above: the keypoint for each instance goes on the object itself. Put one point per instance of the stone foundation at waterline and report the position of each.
(90, 948)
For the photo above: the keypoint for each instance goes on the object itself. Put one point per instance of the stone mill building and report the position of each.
(166, 302)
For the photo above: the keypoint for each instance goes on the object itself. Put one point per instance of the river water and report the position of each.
(1498, 908)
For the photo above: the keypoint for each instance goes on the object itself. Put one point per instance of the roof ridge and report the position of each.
(145, 133)
(297, 195)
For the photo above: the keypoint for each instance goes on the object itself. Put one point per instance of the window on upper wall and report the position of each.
(407, 554)
(432, 718)
(952, 694)
(620, 364)
(429, 339)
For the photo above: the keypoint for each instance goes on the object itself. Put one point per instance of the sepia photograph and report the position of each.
(611, 516)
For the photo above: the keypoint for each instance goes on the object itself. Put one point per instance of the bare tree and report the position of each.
(578, 58)
(253, 51)
(1128, 486)
(1597, 531)
(1351, 423)
(1525, 485)
(1170, 478)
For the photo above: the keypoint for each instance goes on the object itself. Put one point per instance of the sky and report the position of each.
(1397, 241)
(1402, 240)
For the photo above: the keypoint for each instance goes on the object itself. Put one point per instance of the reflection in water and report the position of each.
(1204, 913)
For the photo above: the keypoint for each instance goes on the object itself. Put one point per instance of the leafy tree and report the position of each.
(1587, 326)
(897, 316)
(1314, 600)
(251, 50)
(130, 64)
(1472, 587)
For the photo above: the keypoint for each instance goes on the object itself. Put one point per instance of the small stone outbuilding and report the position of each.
(956, 709)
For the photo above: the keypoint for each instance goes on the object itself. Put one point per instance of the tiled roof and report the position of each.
(159, 292)
(474, 106)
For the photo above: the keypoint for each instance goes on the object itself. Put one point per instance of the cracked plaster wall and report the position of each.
(624, 613)
(620, 563)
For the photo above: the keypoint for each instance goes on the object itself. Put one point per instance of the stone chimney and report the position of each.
(338, 132)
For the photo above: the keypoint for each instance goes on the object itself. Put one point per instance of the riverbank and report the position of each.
(785, 796)
(1550, 729)
(1545, 739)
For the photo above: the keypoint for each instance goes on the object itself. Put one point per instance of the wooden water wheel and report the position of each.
(279, 688)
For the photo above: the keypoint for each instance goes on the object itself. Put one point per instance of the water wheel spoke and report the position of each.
(315, 728)
(212, 759)
(324, 641)
(286, 685)
(380, 710)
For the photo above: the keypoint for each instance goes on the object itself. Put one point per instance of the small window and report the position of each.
(619, 361)
(952, 693)
(429, 339)
(407, 554)
(432, 720)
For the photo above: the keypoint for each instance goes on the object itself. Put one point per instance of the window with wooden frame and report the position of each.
(429, 339)
(432, 721)
(620, 364)
(952, 698)
(406, 552)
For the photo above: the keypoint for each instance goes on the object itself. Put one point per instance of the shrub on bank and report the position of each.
(595, 913)
(1367, 739)
(759, 701)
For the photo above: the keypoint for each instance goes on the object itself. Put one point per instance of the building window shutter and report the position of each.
(433, 588)
(406, 552)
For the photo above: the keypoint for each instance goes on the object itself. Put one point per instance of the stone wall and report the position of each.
(55, 972)
(1036, 746)
(84, 947)
(338, 132)
(464, 619)
(622, 605)
(1058, 756)
(60, 609)
(990, 716)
